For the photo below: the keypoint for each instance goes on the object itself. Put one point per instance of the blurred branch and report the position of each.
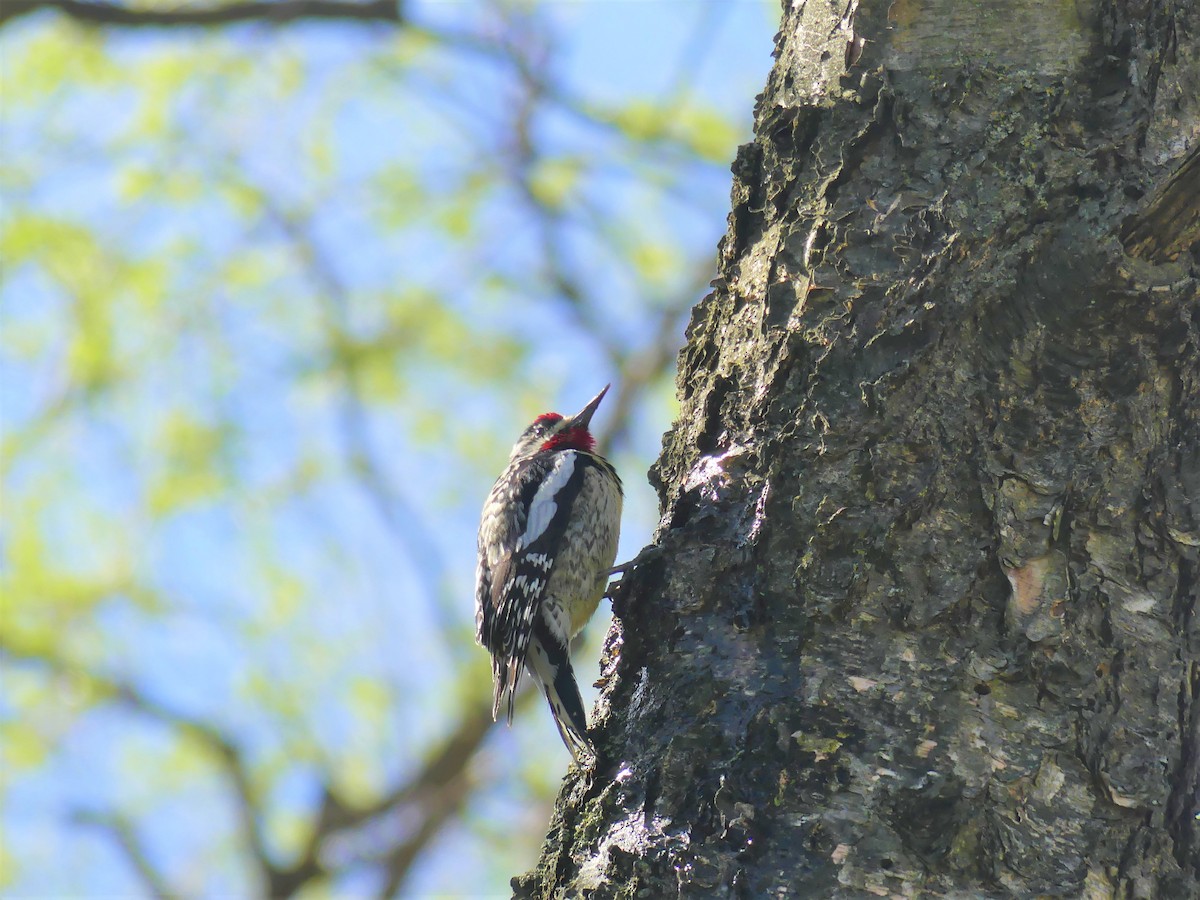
(121, 830)
(549, 219)
(694, 52)
(229, 757)
(512, 45)
(443, 786)
(400, 515)
(637, 369)
(400, 861)
(640, 370)
(275, 12)
(431, 796)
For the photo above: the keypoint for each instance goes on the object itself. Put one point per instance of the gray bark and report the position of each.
(923, 620)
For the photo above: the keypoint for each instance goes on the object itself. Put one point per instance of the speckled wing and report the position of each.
(503, 522)
(518, 590)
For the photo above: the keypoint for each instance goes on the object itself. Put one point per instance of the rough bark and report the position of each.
(923, 617)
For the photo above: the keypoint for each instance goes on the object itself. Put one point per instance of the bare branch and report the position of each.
(639, 371)
(447, 786)
(435, 793)
(121, 830)
(229, 757)
(431, 797)
(395, 509)
(275, 13)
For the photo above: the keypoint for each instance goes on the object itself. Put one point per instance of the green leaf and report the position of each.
(553, 181)
(656, 264)
(712, 136)
(641, 120)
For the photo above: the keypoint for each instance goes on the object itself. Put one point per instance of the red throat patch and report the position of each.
(572, 439)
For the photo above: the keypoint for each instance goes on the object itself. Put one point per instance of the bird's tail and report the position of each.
(506, 678)
(550, 663)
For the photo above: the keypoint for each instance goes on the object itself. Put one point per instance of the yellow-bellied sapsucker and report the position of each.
(547, 541)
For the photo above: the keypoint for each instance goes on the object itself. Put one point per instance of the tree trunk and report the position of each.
(923, 618)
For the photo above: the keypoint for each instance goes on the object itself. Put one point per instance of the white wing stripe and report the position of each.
(543, 507)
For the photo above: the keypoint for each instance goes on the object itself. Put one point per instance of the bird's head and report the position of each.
(551, 431)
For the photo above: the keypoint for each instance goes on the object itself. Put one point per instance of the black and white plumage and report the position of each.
(547, 541)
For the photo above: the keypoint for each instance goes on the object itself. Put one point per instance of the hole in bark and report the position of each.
(982, 689)
(885, 864)
(682, 514)
(653, 786)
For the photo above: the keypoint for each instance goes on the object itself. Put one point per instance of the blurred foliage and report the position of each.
(275, 302)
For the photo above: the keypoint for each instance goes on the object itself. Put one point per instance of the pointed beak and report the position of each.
(584, 416)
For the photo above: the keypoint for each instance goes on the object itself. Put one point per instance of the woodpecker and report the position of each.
(547, 541)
